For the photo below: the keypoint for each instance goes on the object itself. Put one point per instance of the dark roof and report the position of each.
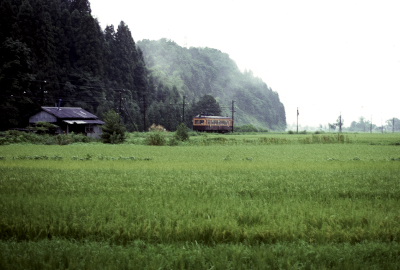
(69, 113)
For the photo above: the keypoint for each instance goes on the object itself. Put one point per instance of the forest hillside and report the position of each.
(204, 71)
(54, 53)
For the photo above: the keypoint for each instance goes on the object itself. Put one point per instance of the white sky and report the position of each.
(325, 57)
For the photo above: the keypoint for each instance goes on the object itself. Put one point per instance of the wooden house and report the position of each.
(70, 119)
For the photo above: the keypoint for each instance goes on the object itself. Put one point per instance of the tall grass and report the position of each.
(63, 254)
(219, 206)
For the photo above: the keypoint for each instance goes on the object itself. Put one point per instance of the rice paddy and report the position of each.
(217, 202)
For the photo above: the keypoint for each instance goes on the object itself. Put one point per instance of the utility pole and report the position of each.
(130, 117)
(340, 123)
(297, 126)
(120, 102)
(370, 127)
(183, 109)
(144, 112)
(233, 112)
(393, 125)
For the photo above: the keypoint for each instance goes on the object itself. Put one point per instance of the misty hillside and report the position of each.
(203, 71)
(55, 53)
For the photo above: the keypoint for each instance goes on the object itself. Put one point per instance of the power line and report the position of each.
(233, 114)
(183, 107)
(232, 109)
(130, 117)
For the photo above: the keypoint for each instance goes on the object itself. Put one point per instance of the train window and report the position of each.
(199, 122)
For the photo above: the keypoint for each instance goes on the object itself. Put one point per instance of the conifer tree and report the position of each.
(126, 56)
(182, 133)
(114, 129)
(207, 105)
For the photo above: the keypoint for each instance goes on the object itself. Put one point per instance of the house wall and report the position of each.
(42, 117)
(96, 132)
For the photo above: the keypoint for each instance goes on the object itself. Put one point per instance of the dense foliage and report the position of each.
(113, 130)
(55, 52)
(21, 137)
(204, 71)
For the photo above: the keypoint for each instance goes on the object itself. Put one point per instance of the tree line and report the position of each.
(365, 125)
(54, 53)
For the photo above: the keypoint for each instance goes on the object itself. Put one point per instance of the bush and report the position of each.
(64, 139)
(173, 141)
(155, 127)
(45, 128)
(182, 133)
(155, 138)
(113, 130)
(14, 136)
(246, 128)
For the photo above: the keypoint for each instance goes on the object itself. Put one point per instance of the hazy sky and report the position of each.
(324, 57)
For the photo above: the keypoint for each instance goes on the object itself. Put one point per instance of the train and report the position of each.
(207, 123)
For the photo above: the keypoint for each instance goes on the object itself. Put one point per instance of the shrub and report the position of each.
(113, 130)
(14, 136)
(155, 127)
(155, 138)
(182, 133)
(45, 128)
(246, 128)
(64, 139)
(173, 141)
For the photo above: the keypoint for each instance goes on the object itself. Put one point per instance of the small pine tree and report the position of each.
(113, 130)
(182, 133)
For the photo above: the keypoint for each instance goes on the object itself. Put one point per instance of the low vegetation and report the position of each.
(182, 133)
(21, 137)
(216, 201)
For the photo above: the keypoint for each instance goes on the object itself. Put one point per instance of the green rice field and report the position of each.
(269, 201)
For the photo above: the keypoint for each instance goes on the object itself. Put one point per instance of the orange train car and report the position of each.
(205, 123)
